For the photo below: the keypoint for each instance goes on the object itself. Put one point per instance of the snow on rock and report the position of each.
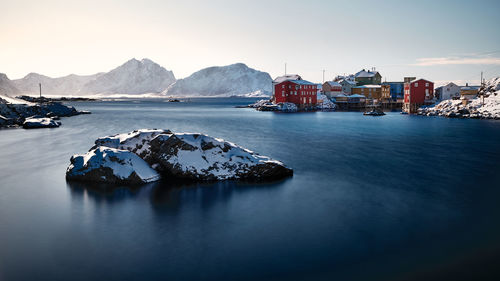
(200, 157)
(110, 165)
(223, 81)
(188, 156)
(35, 123)
(324, 103)
(16, 111)
(136, 141)
(489, 108)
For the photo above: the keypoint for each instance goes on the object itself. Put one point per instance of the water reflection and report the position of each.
(166, 196)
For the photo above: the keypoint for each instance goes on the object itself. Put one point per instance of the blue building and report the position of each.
(397, 89)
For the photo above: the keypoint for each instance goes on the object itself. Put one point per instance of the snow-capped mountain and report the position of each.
(133, 77)
(223, 81)
(61, 86)
(7, 88)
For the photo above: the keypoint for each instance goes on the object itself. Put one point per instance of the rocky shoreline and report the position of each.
(33, 115)
(268, 105)
(485, 106)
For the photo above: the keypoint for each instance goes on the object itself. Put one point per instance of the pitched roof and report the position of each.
(347, 81)
(302, 82)
(333, 84)
(418, 79)
(368, 86)
(357, 96)
(280, 79)
(365, 74)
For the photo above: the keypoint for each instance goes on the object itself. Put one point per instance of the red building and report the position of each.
(291, 88)
(417, 93)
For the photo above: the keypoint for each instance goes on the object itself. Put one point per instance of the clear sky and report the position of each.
(437, 40)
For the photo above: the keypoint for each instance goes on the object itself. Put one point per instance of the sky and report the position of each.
(437, 40)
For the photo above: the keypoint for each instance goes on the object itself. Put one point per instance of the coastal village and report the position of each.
(364, 90)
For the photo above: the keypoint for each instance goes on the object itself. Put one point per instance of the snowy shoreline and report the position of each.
(485, 106)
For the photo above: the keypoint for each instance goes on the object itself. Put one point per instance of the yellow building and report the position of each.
(469, 92)
(369, 91)
(386, 92)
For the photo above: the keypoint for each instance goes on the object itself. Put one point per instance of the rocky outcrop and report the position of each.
(110, 165)
(17, 111)
(188, 156)
(44, 122)
(485, 106)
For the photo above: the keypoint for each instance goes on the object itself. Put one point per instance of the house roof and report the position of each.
(368, 86)
(365, 74)
(470, 88)
(418, 79)
(347, 81)
(357, 96)
(302, 82)
(280, 79)
(333, 84)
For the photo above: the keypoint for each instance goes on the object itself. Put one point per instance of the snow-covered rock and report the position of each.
(200, 157)
(44, 122)
(190, 156)
(223, 81)
(324, 103)
(133, 77)
(16, 111)
(110, 165)
(488, 108)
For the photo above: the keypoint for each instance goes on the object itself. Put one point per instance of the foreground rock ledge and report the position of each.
(142, 156)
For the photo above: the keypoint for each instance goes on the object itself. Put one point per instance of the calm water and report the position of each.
(388, 198)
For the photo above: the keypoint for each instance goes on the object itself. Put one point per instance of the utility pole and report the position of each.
(482, 89)
(323, 76)
(40, 86)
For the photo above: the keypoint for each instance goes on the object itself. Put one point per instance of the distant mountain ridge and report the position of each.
(231, 80)
(136, 77)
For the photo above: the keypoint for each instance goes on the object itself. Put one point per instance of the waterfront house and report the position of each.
(396, 89)
(417, 93)
(385, 92)
(448, 91)
(293, 89)
(369, 91)
(331, 89)
(469, 92)
(347, 85)
(366, 77)
(347, 102)
(355, 98)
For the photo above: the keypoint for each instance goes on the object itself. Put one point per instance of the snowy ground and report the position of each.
(489, 108)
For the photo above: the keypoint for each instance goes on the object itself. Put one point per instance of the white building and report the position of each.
(448, 91)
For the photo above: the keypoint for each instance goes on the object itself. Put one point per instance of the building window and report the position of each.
(416, 85)
(282, 86)
(427, 84)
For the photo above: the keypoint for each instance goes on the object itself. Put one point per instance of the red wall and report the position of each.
(308, 92)
(418, 92)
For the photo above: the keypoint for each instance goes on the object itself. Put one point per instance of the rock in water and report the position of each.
(178, 155)
(35, 123)
(200, 157)
(110, 165)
